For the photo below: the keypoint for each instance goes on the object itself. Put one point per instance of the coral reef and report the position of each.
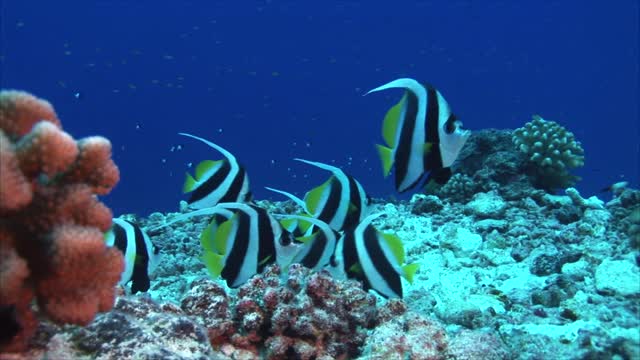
(52, 225)
(306, 316)
(552, 148)
(491, 162)
(508, 270)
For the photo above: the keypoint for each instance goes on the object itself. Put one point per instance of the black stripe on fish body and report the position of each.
(211, 184)
(353, 217)
(316, 251)
(432, 116)
(218, 218)
(350, 259)
(234, 191)
(433, 159)
(403, 146)
(380, 260)
(120, 237)
(333, 201)
(236, 258)
(140, 277)
(266, 239)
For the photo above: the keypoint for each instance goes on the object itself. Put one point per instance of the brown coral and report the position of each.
(52, 224)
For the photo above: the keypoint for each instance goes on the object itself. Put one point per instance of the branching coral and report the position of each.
(552, 148)
(52, 224)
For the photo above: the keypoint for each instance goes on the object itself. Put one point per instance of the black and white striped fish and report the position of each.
(216, 181)
(141, 256)
(318, 237)
(241, 240)
(341, 201)
(421, 135)
(375, 258)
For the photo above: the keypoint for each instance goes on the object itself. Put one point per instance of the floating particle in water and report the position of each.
(164, 161)
(138, 126)
(220, 131)
(179, 147)
(273, 162)
(275, 73)
(189, 165)
(307, 144)
(77, 95)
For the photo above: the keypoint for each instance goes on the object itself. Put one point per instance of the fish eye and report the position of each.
(451, 124)
(286, 238)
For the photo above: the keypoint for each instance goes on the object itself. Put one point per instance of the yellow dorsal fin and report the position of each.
(312, 199)
(391, 123)
(213, 262)
(204, 167)
(289, 224)
(221, 237)
(409, 271)
(306, 239)
(395, 245)
(304, 225)
(190, 184)
(386, 156)
(207, 236)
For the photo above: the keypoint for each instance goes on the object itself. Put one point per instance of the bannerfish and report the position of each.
(375, 258)
(241, 240)
(319, 245)
(421, 135)
(340, 201)
(216, 181)
(141, 256)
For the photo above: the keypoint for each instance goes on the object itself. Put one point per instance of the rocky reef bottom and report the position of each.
(536, 277)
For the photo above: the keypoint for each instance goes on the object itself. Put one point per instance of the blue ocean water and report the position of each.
(274, 80)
